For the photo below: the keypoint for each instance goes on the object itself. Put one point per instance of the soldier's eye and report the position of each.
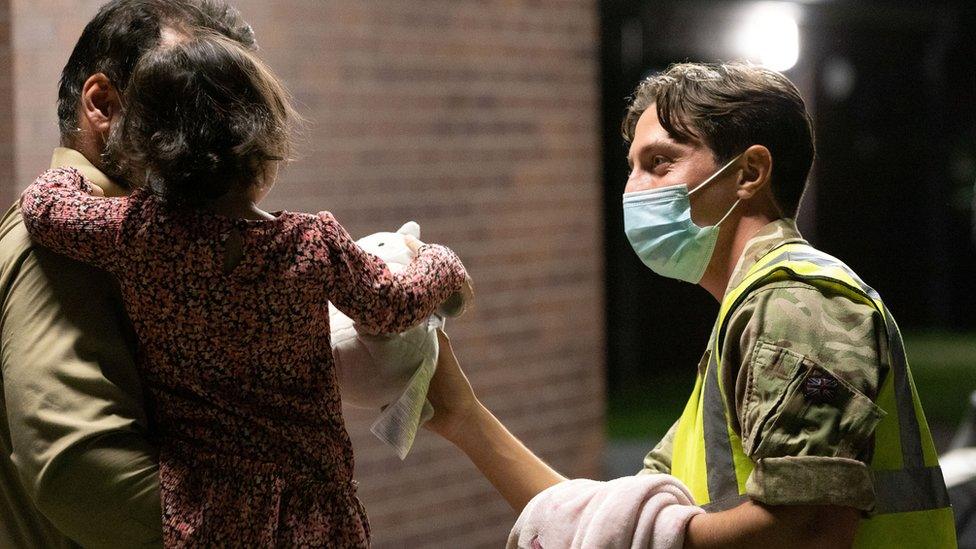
(660, 162)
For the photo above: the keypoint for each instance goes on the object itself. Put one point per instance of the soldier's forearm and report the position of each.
(516, 472)
(756, 525)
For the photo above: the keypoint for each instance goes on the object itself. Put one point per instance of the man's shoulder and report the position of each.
(800, 302)
(804, 299)
(791, 330)
(814, 325)
(45, 271)
(793, 308)
(15, 243)
(799, 291)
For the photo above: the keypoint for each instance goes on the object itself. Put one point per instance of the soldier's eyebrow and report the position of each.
(662, 146)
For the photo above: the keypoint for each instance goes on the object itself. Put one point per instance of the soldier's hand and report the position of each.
(450, 393)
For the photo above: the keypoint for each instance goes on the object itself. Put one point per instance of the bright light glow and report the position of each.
(770, 35)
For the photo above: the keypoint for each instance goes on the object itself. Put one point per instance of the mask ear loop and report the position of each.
(714, 175)
(727, 214)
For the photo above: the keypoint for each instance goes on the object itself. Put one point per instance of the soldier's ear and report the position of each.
(756, 167)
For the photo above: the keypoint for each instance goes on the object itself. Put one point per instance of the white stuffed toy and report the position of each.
(392, 372)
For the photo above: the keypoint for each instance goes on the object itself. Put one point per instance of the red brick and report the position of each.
(7, 130)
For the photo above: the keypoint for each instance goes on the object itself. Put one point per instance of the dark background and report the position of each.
(891, 88)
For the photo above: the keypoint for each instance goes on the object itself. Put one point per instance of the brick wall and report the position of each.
(6, 106)
(478, 119)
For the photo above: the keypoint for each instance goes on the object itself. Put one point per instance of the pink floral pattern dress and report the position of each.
(253, 447)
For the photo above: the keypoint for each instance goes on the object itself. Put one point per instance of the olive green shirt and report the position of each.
(778, 333)
(77, 465)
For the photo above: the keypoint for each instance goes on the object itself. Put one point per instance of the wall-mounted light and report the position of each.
(769, 35)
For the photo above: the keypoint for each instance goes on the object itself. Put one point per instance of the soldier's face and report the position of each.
(657, 160)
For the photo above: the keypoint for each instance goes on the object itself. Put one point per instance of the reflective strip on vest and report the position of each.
(723, 485)
(907, 479)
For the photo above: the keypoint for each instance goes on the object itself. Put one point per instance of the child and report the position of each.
(230, 303)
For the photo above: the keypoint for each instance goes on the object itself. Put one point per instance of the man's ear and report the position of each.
(757, 170)
(100, 103)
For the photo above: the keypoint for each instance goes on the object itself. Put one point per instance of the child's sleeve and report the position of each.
(61, 214)
(361, 285)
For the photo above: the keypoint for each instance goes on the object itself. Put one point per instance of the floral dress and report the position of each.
(253, 446)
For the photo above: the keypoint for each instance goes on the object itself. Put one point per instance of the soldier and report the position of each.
(804, 428)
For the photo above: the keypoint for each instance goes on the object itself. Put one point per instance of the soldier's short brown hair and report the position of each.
(730, 107)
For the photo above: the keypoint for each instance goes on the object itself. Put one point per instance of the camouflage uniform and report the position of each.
(782, 330)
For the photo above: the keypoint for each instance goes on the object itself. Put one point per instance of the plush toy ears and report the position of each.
(411, 228)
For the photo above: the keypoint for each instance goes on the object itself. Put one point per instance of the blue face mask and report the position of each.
(659, 227)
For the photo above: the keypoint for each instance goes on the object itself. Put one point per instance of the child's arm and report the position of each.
(61, 214)
(363, 287)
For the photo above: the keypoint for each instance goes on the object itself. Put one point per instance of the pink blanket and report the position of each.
(643, 511)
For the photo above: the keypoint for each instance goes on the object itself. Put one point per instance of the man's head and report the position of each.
(113, 42)
(687, 122)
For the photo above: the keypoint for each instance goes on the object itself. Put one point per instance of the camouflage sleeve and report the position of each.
(658, 460)
(809, 366)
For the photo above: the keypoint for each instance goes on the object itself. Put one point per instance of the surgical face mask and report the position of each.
(659, 227)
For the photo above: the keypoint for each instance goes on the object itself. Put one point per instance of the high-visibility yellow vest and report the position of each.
(911, 506)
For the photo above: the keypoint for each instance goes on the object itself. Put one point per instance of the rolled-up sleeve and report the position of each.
(809, 370)
(78, 426)
(658, 460)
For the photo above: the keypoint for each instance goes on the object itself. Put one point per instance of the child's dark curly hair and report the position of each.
(201, 117)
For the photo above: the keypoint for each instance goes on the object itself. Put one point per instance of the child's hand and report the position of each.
(413, 244)
(95, 190)
(466, 291)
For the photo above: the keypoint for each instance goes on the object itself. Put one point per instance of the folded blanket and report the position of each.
(398, 423)
(644, 511)
(389, 373)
